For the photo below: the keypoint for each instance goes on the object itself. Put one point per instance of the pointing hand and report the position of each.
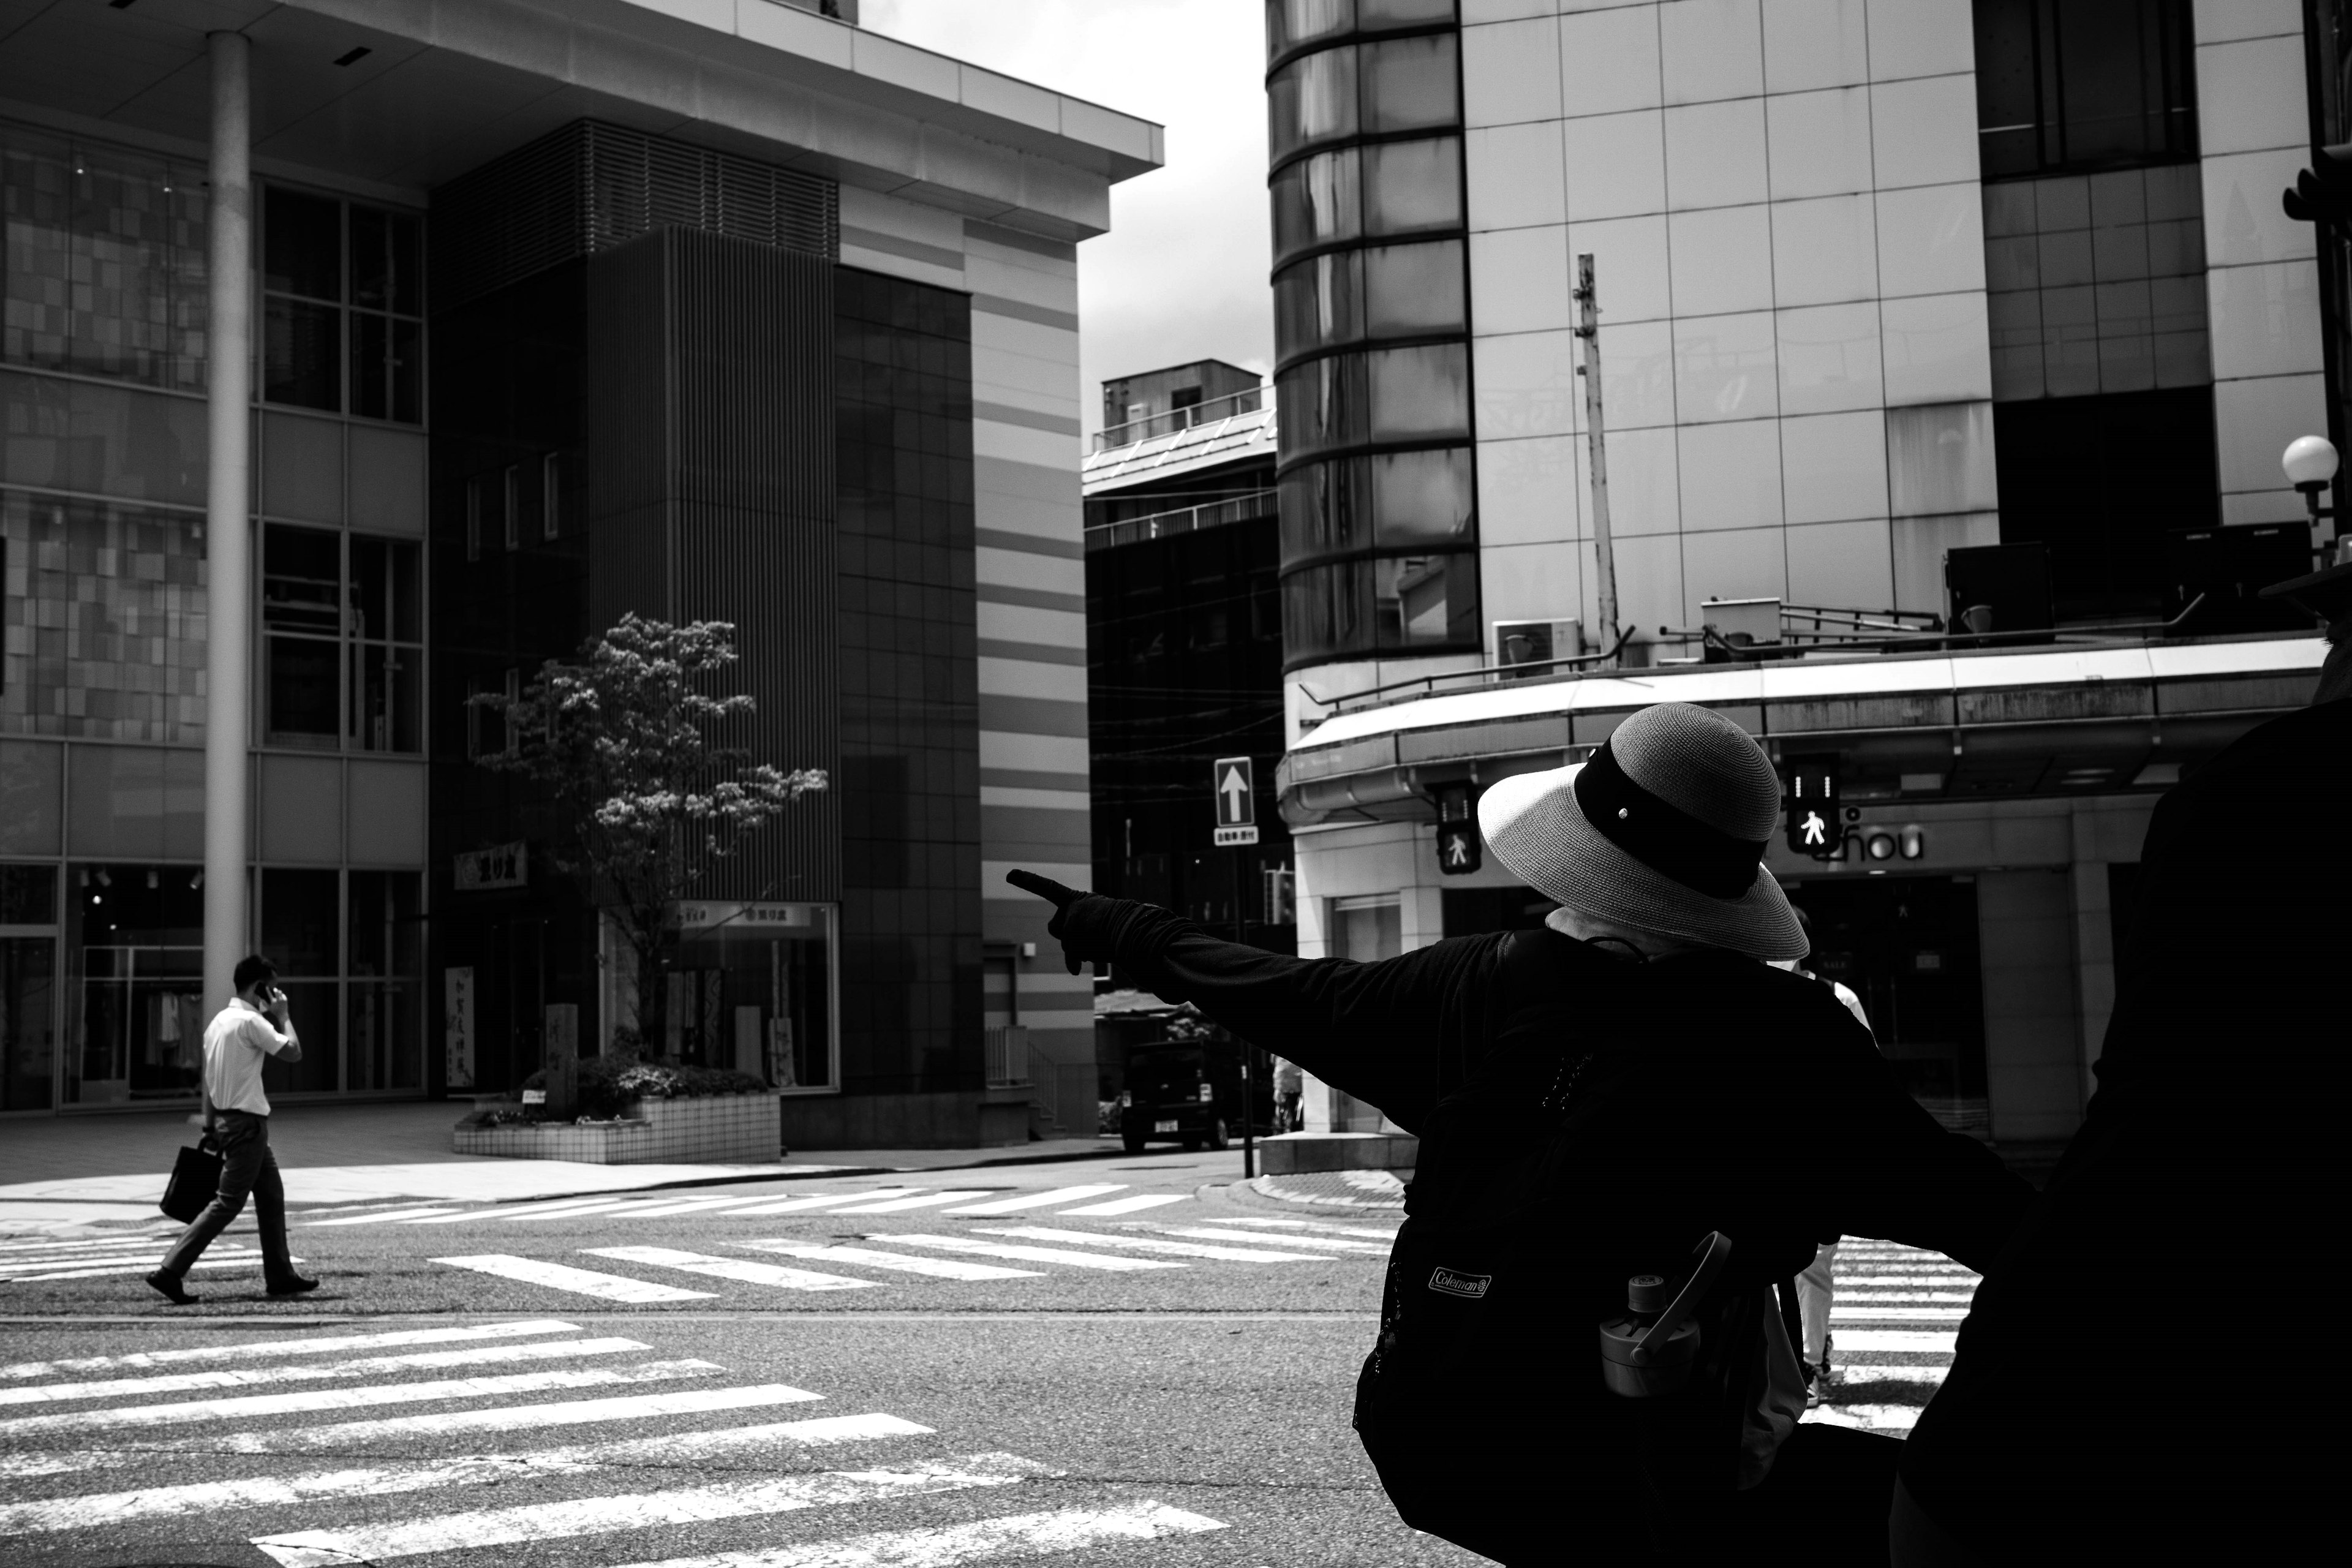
(1062, 899)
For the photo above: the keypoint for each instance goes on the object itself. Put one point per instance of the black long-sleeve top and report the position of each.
(1744, 1099)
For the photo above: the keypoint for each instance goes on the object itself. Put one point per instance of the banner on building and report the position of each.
(500, 866)
(458, 1026)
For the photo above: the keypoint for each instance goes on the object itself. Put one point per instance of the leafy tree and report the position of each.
(645, 802)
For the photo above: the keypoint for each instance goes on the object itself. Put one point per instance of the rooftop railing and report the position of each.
(1176, 419)
(1247, 508)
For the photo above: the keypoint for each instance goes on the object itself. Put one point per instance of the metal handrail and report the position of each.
(1159, 524)
(1248, 401)
(1338, 704)
(2133, 631)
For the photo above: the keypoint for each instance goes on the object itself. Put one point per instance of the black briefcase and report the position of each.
(196, 1178)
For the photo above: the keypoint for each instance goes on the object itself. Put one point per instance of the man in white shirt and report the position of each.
(241, 1036)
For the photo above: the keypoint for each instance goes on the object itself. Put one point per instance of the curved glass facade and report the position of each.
(1371, 329)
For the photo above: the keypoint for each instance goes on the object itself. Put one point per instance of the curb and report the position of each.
(1330, 1189)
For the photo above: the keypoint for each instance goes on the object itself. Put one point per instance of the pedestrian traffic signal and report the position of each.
(1458, 852)
(1457, 848)
(1812, 797)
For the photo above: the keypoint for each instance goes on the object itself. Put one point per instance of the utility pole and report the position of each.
(1605, 555)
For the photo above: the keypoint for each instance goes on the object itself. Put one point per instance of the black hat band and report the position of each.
(1663, 837)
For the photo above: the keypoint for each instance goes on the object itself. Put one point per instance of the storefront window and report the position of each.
(1401, 84)
(134, 959)
(106, 623)
(751, 989)
(1290, 23)
(1422, 601)
(300, 927)
(1394, 498)
(105, 267)
(28, 945)
(320, 293)
(384, 950)
(343, 652)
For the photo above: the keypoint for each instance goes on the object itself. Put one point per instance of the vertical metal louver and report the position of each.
(591, 186)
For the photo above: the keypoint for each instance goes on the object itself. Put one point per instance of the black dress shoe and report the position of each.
(292, 1285)
(170, 1288)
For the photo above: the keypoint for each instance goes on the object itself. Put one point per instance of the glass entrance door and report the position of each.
(28, 1021)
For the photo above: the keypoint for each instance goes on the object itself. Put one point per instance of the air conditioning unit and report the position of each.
(1534, 642)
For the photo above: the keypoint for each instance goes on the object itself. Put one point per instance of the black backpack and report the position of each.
(1482, 1405)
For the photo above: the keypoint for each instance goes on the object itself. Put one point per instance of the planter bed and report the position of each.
(711, 1129)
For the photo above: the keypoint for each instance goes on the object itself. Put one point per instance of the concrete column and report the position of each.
(228, 530)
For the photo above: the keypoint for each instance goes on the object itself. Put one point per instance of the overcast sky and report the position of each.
(1181, 274)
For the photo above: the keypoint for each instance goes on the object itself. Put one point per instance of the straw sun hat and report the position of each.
(1662, 830)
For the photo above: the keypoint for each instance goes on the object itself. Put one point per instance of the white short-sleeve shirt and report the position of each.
(237, 1042)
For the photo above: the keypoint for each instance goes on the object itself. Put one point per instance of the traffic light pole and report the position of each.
(1249, 1095)
(1605, 555)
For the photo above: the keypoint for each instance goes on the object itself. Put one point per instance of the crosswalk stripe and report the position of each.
(947, 1545)
(252, 1349)
(1025, 1254)
(1878, 1417)
(546, 1211)
(898, 1262)
(1884, 1297)
(182, 1412)
(218, 1258)
(919, 1201)
(93, 1510)
(1926, 1339)
(384, 1218)
(1146, 1244)
(1887, 1372)
(740, 1269)
(579, 1282)
(521, 1418)
(815, 1201)
(316, 1372)
(18, 1253)
(1135, 1205)
(1040, 1200)
(1866, 1280)
(1843, 1314)
(1373, 1233)
(439, 1425)
(575, 1517)
(705, 1204)
(1328, 1243)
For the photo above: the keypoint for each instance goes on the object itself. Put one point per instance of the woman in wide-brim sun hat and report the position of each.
(1592, 1098)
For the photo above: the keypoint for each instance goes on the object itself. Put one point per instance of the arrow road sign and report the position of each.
(1233, 781)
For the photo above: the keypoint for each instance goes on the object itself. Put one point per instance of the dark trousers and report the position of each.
(247, 1169)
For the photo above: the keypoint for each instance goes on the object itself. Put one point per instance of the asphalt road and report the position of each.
(717, 1377)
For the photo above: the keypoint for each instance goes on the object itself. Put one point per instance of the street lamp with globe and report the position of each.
(2310, 462)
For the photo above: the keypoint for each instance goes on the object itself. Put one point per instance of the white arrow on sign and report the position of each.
(1235, 794)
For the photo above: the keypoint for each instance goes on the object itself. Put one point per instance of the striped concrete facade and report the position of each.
(1031, 581)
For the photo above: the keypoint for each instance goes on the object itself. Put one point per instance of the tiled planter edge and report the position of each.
(721, 1127)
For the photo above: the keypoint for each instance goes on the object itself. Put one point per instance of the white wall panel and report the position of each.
(1722, 260)
(1710, 50)
(1819, 142)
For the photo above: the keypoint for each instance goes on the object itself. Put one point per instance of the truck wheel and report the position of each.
(1132, 1142)
(1218, 1137)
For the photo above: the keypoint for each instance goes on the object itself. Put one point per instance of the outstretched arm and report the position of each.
(1375, 1030)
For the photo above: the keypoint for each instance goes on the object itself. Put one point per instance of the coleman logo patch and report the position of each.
(1473, 1285)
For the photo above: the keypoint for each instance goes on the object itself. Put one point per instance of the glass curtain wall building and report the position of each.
(102, 700)
(1371, 329)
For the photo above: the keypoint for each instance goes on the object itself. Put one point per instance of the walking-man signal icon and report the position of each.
(1812, 786)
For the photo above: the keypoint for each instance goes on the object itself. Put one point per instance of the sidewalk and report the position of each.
(114, 1166)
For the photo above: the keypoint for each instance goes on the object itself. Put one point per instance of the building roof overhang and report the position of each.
(1213, 444)
(2053, 720)
(448, 85)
